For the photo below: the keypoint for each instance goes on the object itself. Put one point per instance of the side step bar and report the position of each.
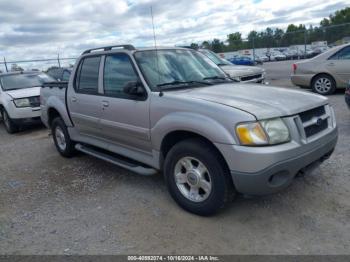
(132, 166)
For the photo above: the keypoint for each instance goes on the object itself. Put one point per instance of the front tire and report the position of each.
(10, 126)
(323, 84)
(197, 178)
(64, 145)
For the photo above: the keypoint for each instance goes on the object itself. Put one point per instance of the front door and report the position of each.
(125, 119)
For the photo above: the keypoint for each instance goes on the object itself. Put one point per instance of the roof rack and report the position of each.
(108, 48)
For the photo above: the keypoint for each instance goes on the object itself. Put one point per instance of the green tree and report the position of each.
(234, 41)
(194, 46)
(217, 46)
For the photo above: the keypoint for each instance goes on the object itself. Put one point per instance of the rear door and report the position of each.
(84, 100)
(125, 119)
(339, 66)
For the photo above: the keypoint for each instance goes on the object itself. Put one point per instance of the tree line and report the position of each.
(331, 29)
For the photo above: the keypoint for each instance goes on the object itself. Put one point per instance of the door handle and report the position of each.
(331, 64)
(105, 103)
(74, 99)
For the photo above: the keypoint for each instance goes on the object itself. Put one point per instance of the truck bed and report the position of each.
(53, 95)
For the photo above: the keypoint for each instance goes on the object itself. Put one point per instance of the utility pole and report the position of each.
(305, 44)
(253, 48)
(58, 60)
(5, 65)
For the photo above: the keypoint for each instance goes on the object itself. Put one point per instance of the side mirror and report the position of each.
(134, 88)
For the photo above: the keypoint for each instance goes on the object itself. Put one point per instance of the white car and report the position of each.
(20, 98)
(277, 56)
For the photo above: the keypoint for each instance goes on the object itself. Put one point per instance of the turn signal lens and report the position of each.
(251, 134)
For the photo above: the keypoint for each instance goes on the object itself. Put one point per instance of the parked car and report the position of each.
(173, 110)
(290, 54)
(277, 56)
(240, 73)
(59, 73)
(324, 73)
(242, 60)
(19, 98)
(261, 58)
(347, 95)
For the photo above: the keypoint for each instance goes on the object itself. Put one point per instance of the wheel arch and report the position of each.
(174, 137)
(52, 113)
(322, 73)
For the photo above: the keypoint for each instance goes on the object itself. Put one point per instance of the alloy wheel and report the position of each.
(193, 179)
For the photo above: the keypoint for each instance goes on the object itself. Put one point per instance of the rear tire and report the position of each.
(197, 177)
(10, 126)
(64, 145)
(323, 84)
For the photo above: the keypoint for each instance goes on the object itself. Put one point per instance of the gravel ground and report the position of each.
(52, 205)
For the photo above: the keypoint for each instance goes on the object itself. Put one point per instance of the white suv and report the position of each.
(20, 98)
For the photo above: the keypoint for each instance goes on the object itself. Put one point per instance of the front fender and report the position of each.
(192, 122)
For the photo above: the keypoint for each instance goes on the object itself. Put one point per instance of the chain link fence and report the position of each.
(275, 45)
(35, 64)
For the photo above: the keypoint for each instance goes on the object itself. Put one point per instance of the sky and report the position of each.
(43, 28)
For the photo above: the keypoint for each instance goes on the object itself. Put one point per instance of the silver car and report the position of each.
(243, 74)
(173, 110)
(325, 72)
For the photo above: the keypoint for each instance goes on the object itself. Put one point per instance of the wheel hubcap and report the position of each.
(193, 179)
(60, 138)
(323, 85)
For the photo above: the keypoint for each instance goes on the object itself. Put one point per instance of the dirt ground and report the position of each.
(53, 205)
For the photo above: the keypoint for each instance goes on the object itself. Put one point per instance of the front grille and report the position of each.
(316, 112)
(247, 78)
(314, 121)
(34, 101)
(314, 129)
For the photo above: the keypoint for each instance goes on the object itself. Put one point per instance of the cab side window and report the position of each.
(118, 71)
(87, 78)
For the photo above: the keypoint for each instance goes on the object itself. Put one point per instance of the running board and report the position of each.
(124, 163)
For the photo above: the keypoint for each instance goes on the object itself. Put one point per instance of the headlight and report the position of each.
(276, 130)
(266, 132)
(235, 78)
(22, 102)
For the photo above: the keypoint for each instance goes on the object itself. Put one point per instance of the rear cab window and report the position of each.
(87, 76)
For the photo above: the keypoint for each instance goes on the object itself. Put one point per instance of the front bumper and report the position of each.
(25, 121)
(266, 170)
(22, 112)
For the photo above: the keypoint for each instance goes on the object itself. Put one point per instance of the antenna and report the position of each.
(155, 46)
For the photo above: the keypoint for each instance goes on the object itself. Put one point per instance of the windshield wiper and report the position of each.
(215, 78)
(177, 82)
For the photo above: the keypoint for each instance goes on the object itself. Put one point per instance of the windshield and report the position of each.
(214, 57)
(176, 66)
(21, 81)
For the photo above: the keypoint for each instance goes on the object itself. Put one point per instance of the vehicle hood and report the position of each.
(26, 92)
(260, 100)
(234, 71)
